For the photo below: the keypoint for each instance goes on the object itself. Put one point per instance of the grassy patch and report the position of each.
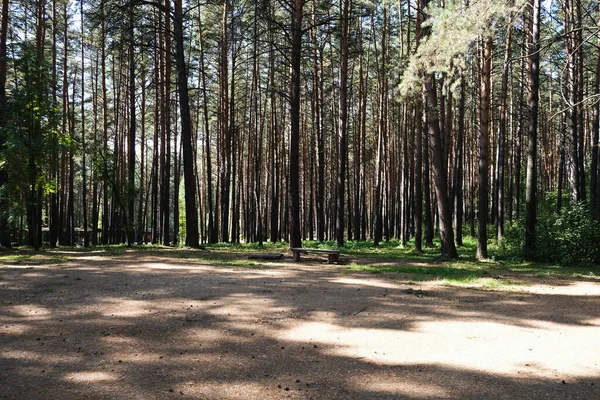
(239, 263)
(468, 274)
(417, 272)
(1, 278)
(465, 280)
(32, 257)
(500, 283)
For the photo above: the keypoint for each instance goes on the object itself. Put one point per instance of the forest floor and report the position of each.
(209, 324)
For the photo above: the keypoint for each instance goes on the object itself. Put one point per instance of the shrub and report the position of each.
(572, 236)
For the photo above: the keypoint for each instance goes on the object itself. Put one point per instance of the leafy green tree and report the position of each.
(31, 122)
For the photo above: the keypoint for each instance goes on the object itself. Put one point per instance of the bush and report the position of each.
(572, 236)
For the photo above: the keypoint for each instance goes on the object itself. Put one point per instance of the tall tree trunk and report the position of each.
(418, 135)
(4, 226)
(343, 120)
(429, 231)
(3, 54)
(501, 142)
(294, 161)
(575, 86)
(317, 57)
(418, 214)
(378, 203)
(212, 228)
(459, 167)
(105, 209)
(225, 157)
(83, 142)
(578, 28)
(533, 80)
(233, 153)
(143, 193)
(132, 127)
(594, 172)
(484, 138)
(441, 185)
(562, 162)
(165, 204)
(191, 211)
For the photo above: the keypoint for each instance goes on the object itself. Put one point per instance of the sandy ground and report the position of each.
(139, 326)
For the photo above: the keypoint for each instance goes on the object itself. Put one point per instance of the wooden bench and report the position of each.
(333, 256)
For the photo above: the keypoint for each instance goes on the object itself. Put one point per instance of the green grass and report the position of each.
(448, 274)
(29, 256)
(500, 283)
(239, 263)
(462, 279)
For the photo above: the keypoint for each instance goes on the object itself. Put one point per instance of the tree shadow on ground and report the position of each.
(150, 328)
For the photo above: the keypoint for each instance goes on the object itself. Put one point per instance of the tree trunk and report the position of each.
(484, 138)
(212, 228)
(105, 212)
(343, 121)
(418, 135)
(132, 127)
(378, 200)
(501, 143)
(191, 211)
(294, 161)
(459, 167)
(4, 226)
(320, 200)
(594, 175)
(533, 80)
(439, 173)
(166, 134)
(225, 157)
(429, 231)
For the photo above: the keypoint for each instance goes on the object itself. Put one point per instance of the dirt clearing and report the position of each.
(151, 326)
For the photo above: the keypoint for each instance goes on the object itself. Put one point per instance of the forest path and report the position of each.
(137, 325)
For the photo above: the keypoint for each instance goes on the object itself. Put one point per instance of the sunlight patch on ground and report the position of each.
(125, 308)
(14, 329)
(489, 347)
(20, 354)
(412, 390)
(363, 282)
(30, 311)
(572, 289)
(593, 322)
(90, 258)
(162, 266)
(247, 306)
(40, 357)
(121, 340)
(92, 376)
(202, 335)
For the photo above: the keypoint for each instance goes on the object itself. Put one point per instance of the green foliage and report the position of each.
(454, 28)
(30, 129)
(571, 236)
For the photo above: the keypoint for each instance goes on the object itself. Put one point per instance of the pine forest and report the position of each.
(194, 122)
